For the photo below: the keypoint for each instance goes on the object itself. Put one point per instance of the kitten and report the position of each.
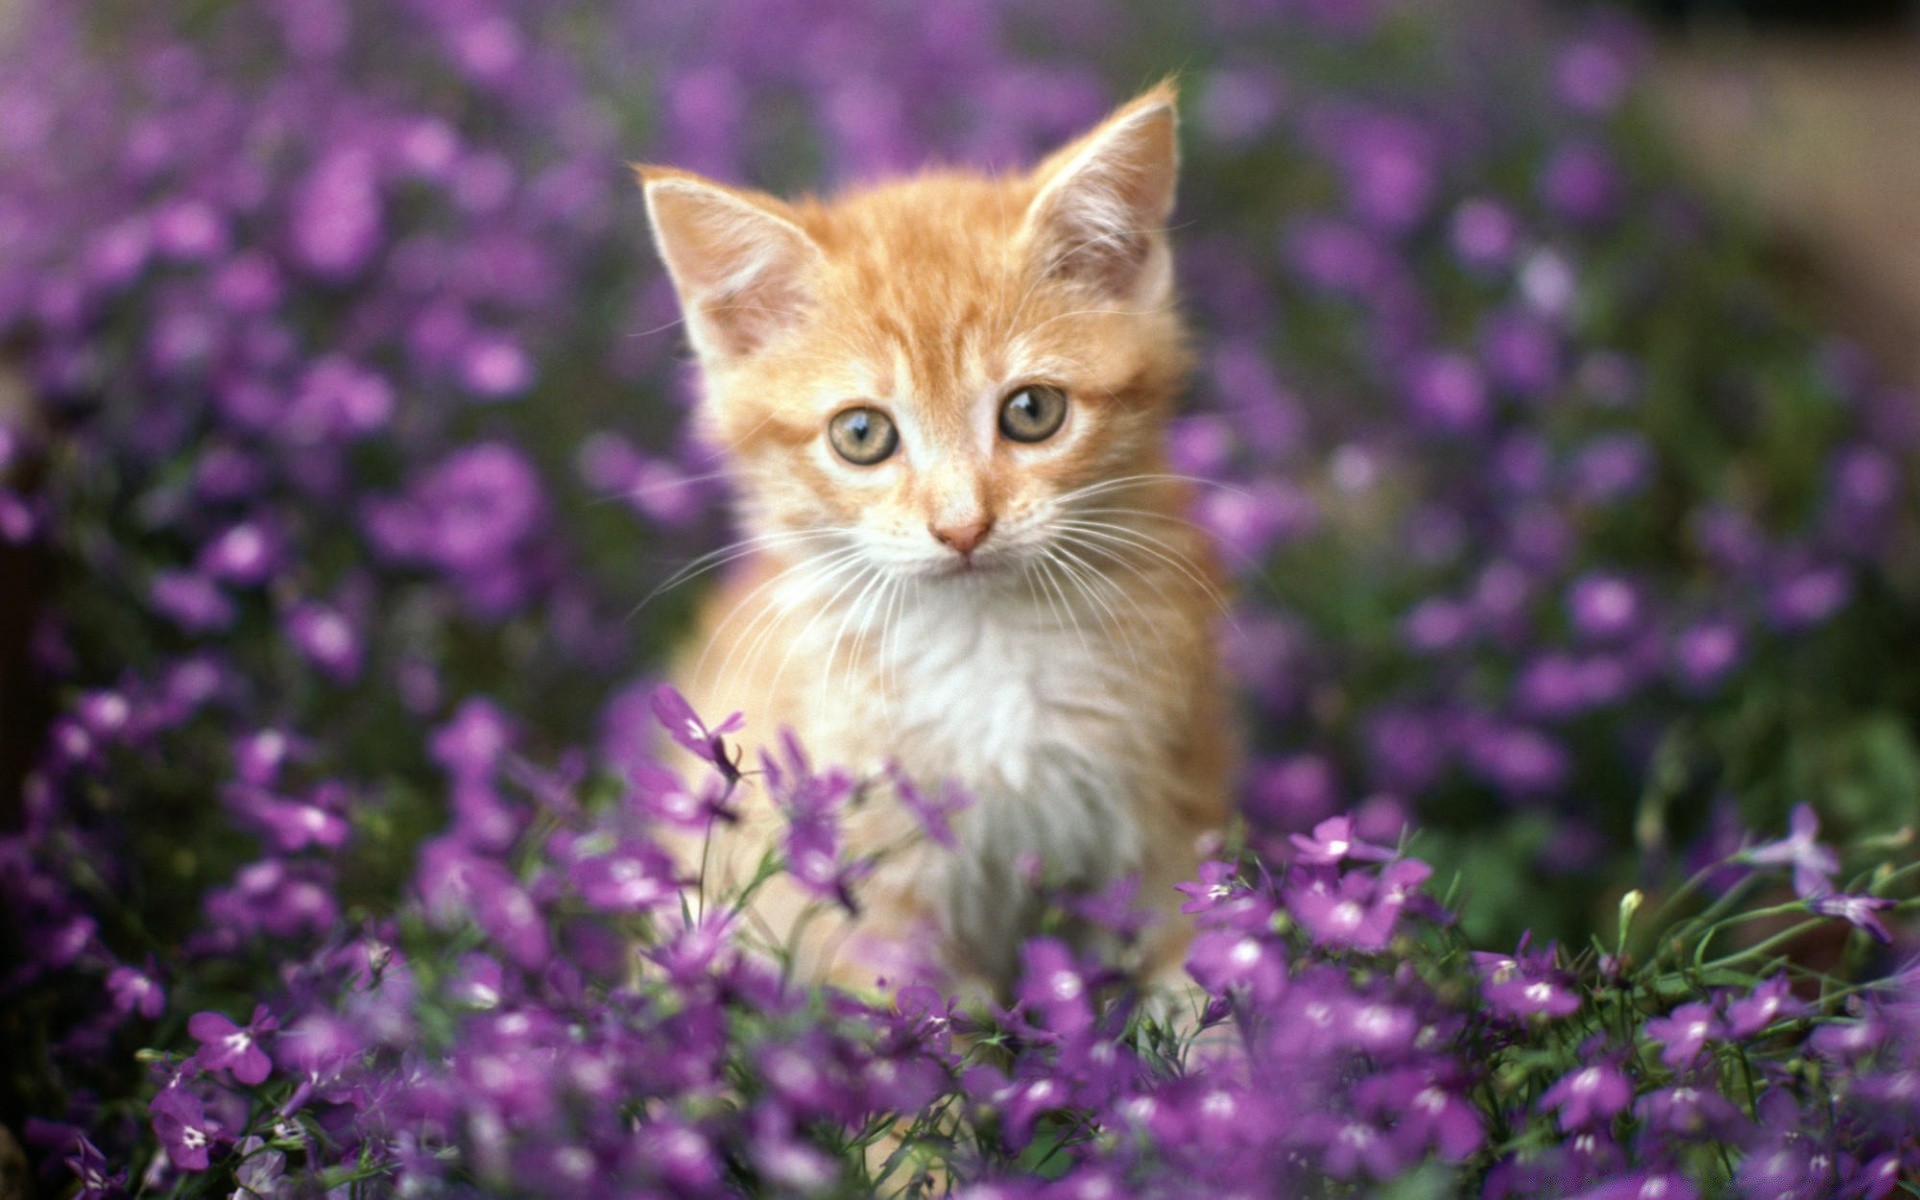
(944, 401)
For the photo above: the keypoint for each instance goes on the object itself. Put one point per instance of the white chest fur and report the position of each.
(1037, 714)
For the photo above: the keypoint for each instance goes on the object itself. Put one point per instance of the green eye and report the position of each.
(863, 436)
(1034, 413)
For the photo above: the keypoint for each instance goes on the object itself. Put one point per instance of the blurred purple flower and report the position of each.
(1682, 1035)
(1223, 960)
(1604, 606)
(327, 639)
(191, 601)
(336, 220)
(1859, 911)
(1484, 234)
(1769, 1002)
(1814, 865)
(1580, 183)
(1334, 842)
(1447, 392)
(1588, 1095)
(934, 812)
(136, 991)
(1704, 653)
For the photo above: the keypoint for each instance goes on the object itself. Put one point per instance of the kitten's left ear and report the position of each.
(1101, 212)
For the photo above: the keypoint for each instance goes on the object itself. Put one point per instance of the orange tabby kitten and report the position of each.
(944, 400)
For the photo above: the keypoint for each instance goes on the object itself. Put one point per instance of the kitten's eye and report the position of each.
(1034, 413)
(863, 436)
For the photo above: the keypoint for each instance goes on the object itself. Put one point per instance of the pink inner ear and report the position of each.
(1101, 214)
(739, 270)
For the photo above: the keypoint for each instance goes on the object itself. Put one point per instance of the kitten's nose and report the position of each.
(963, 537)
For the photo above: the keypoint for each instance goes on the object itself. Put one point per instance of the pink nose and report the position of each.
(963, 537)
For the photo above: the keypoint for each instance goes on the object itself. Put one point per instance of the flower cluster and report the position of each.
(357, 448)
(547, 1015)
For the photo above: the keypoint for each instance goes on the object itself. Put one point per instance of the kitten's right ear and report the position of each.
(738, 261)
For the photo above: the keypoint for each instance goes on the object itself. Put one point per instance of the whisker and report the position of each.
(1084, 576)
(830, 566)
(731, 552)
(1119, 558)
(863, 576)
(1153, 547)
(1106, 485)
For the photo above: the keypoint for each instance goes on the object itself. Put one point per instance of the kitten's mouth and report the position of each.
(960, 565)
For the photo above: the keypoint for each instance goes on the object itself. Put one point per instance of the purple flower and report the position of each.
(1858, 911)
(933, 812)
(1589, 1095)
(336, 216)
(677, 717)
(1687, 1113)
(1214, 887)
(136, 991)
(663, 796)
(1053, 987)
(471, 744)
(1484, 234)
(1683, 1034)
(1643, 1185)
(1813, 864)
(1333, 842)
(191, 601)
(180, 1122)
(1358, 913)
(632, 878)
(1769, 1002)
(1704, 653)
(1447, 392)
(1223, 960)
(1809, 596)
(89, 1168)
(1603, 606)
(495, 368)
(1580, 183)
(1521, 352)
(229, 1047)
(327, 639)
(1525, 984)
(338, 399)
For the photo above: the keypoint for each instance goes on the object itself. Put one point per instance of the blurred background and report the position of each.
(1810, 124)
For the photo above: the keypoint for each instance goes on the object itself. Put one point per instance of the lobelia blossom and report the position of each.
(1682, 1035)
(1858, 911)
(180, 1122)
(677, 717)
(225, 1046)
(1223, 960)
(89, 1166)
(1589, 1095)
(934, 812)
(1525, 984)
(136, 991)
(1813, 864)
(1769, 1002)
(1333, 842)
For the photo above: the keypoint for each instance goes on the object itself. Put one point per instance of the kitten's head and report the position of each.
(929, 376)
